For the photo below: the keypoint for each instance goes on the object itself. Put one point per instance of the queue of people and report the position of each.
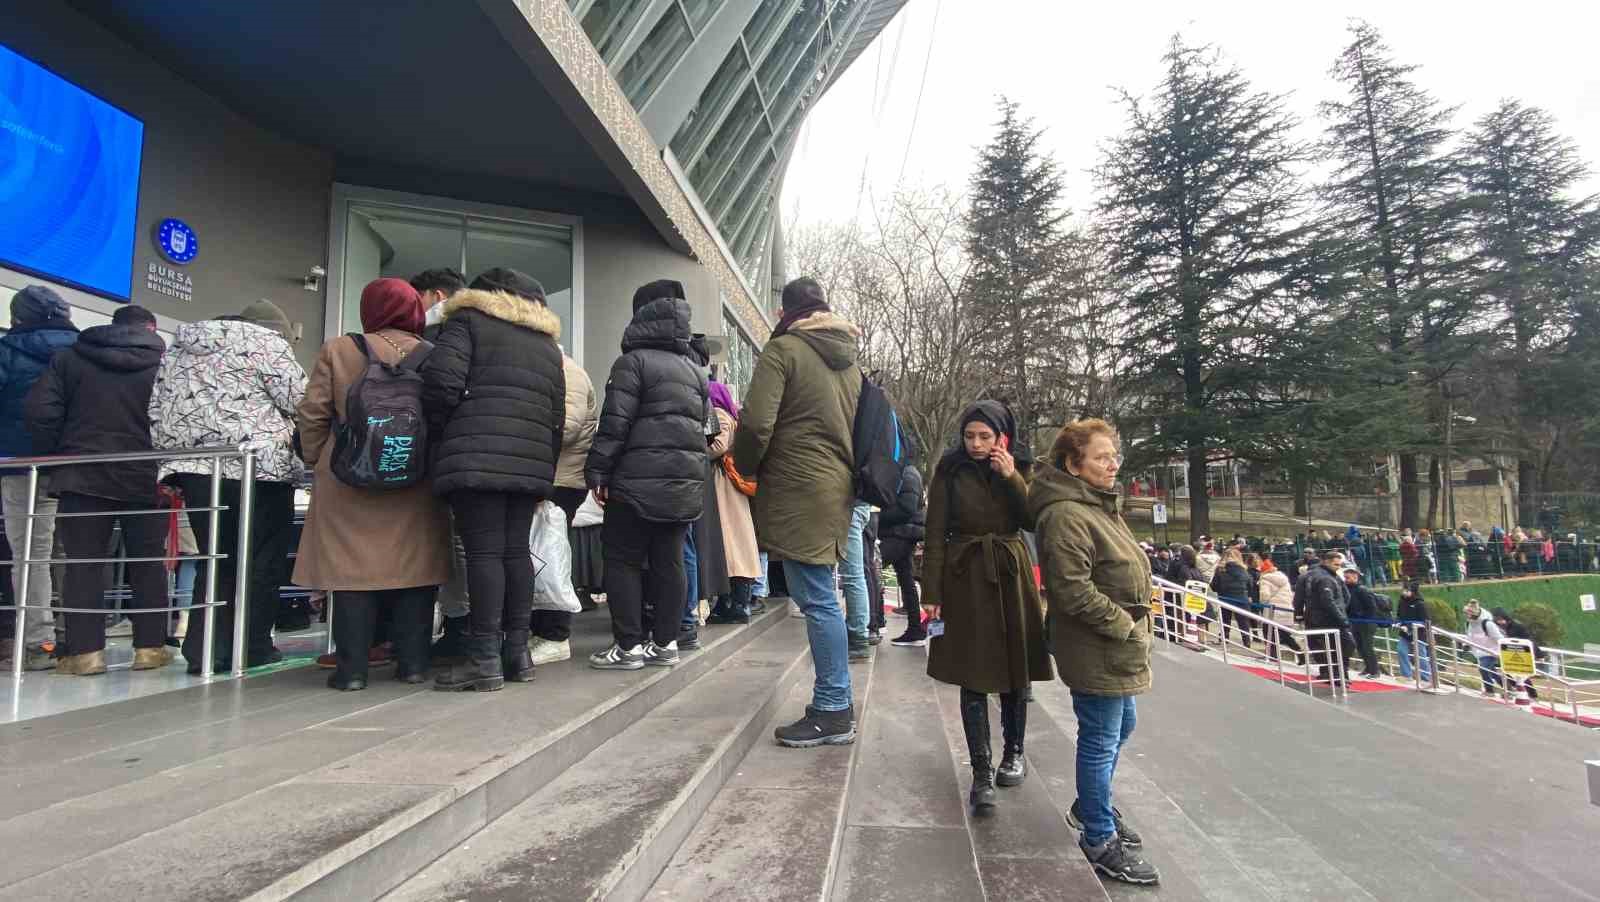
(436, 434)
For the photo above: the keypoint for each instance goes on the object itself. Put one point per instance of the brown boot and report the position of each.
(88, 664)
(151, 658)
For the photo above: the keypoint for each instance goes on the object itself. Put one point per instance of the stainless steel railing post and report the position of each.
(19, 641)
(241, 591)
(208, 615)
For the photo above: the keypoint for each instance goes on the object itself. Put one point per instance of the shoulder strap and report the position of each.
(361, 344)
(417, 356)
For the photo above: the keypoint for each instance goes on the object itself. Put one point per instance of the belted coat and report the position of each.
(976, 566)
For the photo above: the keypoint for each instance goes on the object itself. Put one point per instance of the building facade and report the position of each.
(307, 148)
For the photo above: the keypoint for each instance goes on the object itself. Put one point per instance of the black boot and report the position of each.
(480, 670)
(1014, 724)
(515, 659)
(975, 723)
(453, 644)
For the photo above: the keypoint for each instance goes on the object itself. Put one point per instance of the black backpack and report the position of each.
(880, 453)
(383, 441)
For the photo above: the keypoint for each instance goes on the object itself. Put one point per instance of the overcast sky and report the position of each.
(1062, 61)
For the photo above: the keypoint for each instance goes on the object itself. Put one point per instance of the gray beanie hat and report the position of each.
(265, 313)
(37, 303)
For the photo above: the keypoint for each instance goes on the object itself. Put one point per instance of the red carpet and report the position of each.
(1295, 676)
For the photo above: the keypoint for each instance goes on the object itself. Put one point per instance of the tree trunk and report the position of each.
(1527, 493)
(1199, 500)
(1302, 495)
(1410, 492)
(1435, 491)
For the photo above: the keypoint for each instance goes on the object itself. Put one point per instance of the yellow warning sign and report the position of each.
(1516, 657)
(1194, 600)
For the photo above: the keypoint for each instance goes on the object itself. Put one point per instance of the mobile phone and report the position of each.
(935, 627)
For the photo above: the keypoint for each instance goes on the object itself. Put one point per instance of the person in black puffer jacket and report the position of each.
(648, 466)
(1231, 582)
(94, 399)
(902, 527)
(495, 394)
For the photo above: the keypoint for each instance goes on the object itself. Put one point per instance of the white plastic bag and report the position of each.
(552, 561)
(589, 513)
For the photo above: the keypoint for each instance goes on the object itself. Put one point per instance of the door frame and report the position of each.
(345, 194)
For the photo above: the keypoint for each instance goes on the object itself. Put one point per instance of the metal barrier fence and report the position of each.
(217, 456)
(1185, 614)
(1447, 560)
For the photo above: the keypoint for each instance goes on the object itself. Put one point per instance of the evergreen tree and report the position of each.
(1532, 242)
(1016, 245)
(1393, 206)
(1199, 207)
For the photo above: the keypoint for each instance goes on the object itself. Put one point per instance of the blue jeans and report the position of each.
(811, 587)
(853, 573)
(1405, 659)
(691, 572)
(760, 589)
(1104, 724)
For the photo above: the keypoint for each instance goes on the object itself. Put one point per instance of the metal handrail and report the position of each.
(216, 455)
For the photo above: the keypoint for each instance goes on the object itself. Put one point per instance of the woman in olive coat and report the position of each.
(978, 578)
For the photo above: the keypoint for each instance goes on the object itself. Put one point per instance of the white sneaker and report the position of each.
(545, 651)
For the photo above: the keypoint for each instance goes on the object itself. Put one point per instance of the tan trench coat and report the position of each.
(733, 508)
(358, 539)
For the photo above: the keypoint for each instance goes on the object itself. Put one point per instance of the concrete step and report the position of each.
(773, 832)
(606, 826)
(274, 786)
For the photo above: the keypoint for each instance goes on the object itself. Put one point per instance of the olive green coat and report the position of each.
(1097, 581)
(977, 568)
(794, 439)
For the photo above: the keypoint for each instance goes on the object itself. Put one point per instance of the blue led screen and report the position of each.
(69, 180)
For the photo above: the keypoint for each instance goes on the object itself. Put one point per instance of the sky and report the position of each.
(1063, 61)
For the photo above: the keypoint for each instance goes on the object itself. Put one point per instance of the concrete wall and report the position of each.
(1478, 504)
(258, 202)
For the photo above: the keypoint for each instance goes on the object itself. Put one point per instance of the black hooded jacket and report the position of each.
(1231, 582)
(95, 399)
(495, 393)
(650, 450)
(907, 520)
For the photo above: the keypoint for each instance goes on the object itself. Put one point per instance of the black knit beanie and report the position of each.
(655, 291)
(37, 303)
(509, 281)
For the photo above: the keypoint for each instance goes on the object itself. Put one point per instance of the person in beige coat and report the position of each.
(739, 549)
(552, 630)
(373, 548)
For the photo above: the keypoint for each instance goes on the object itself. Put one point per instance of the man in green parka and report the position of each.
(794, 440)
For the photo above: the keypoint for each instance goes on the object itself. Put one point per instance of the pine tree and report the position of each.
(1393, 206)
(1532, 240)
(1199, 205)
(1016, 245)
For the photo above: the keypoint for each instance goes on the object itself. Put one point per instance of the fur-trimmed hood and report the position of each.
(830, 335)
(507, 307)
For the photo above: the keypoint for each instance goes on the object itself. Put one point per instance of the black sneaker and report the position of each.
(687, 639)
(662, 656)
(1130, 836)
(616, 658)
(859, 651)
(758, 606)
(910, 639)
(874, 637)
(1115, 861)
(819, 728)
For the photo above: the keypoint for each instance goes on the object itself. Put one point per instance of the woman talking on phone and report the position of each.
(1098, 580)
(978, 584)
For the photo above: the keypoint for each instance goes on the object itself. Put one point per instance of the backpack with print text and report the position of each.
(382, 443)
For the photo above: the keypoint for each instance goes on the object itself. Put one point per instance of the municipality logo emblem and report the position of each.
(177, 241)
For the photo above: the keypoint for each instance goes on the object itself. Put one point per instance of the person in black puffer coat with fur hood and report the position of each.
(648, 467)
(495, 394)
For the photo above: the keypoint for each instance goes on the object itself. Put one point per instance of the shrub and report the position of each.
(1542, 621)
(1442, 614)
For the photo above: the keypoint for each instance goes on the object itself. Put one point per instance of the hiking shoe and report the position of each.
(910, 639)
(874, 637)
(859, 651)
(616, 658)
(546, 651)
(733, 615)
(1115, 861)
(151, 658)
(662, 656)
(38, 657)
(91, 663)
(1130, 836)
(758, 606)
(686, 640)
(818, 728)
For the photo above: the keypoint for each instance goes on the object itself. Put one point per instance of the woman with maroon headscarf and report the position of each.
(374, 548)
